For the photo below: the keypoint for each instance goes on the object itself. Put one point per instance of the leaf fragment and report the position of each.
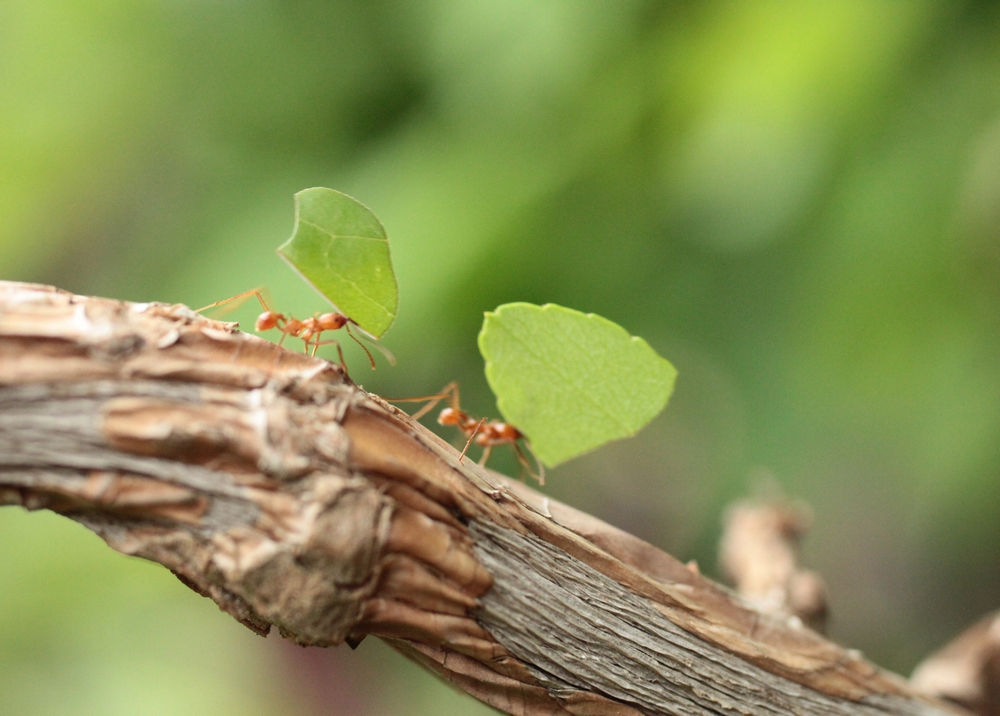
(571, 381)
(341, 249)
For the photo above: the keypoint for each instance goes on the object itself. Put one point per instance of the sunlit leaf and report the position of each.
(340, 247)
(571, 381)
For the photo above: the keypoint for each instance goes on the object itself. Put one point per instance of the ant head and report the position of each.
(332, 321)
(497, 434)
(450, 416)
(267, 320)
(507, 432)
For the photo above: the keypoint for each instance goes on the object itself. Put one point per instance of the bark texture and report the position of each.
(268, 482)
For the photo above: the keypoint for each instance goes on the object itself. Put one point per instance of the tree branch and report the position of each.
(268, 482)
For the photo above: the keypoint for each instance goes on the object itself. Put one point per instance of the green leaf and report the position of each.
(340, 248)
(571, 381)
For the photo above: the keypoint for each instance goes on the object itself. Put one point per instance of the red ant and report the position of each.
(485, 433)
(309, 329)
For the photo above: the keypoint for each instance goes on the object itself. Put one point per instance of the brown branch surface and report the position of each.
(270, 483)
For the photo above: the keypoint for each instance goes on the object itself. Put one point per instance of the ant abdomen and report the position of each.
(267, 320)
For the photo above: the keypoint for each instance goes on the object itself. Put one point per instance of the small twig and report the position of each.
(759, 552)
(967, 669)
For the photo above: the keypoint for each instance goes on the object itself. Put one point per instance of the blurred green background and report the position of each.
(796, 203)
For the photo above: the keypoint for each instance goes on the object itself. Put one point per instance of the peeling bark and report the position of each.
(270, 483)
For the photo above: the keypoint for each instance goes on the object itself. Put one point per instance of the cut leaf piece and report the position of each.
(571, 381)
(340, 248)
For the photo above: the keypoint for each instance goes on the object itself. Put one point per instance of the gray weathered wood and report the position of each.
(577, 629)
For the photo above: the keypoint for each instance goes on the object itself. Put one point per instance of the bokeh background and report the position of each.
(796, 203)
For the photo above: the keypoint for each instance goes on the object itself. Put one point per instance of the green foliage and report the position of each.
(339, 246)
(571, 381)
(803, 196)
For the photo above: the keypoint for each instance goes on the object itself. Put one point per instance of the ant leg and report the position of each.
(469, 441)
(237, 297)
(455, 403)
(340, 352)
(523, 459)
(314, 339)
(310, 337)
(450, 391)
(487, 449)
(434, 400)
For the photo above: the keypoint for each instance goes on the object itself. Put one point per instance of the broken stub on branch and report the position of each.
(759, 551)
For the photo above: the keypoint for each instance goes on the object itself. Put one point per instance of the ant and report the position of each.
(486, 433)
(309, 329)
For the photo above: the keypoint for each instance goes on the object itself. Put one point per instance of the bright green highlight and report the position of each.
(571, 381)
(339, 246)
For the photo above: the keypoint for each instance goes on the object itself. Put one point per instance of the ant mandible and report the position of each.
(309, 329)
(485, 433)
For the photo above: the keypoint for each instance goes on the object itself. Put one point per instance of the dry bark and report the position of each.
(270, 483)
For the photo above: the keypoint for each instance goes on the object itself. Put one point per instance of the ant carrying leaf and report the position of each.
(584, 382)
(339, 247)
(485, 433)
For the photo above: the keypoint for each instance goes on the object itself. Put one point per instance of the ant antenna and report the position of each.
(371, 340)
(334, 341)
(363, 346)
(523, 459)
(448, 391)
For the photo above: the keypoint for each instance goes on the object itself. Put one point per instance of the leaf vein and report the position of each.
(341, 236)
(587, 395)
